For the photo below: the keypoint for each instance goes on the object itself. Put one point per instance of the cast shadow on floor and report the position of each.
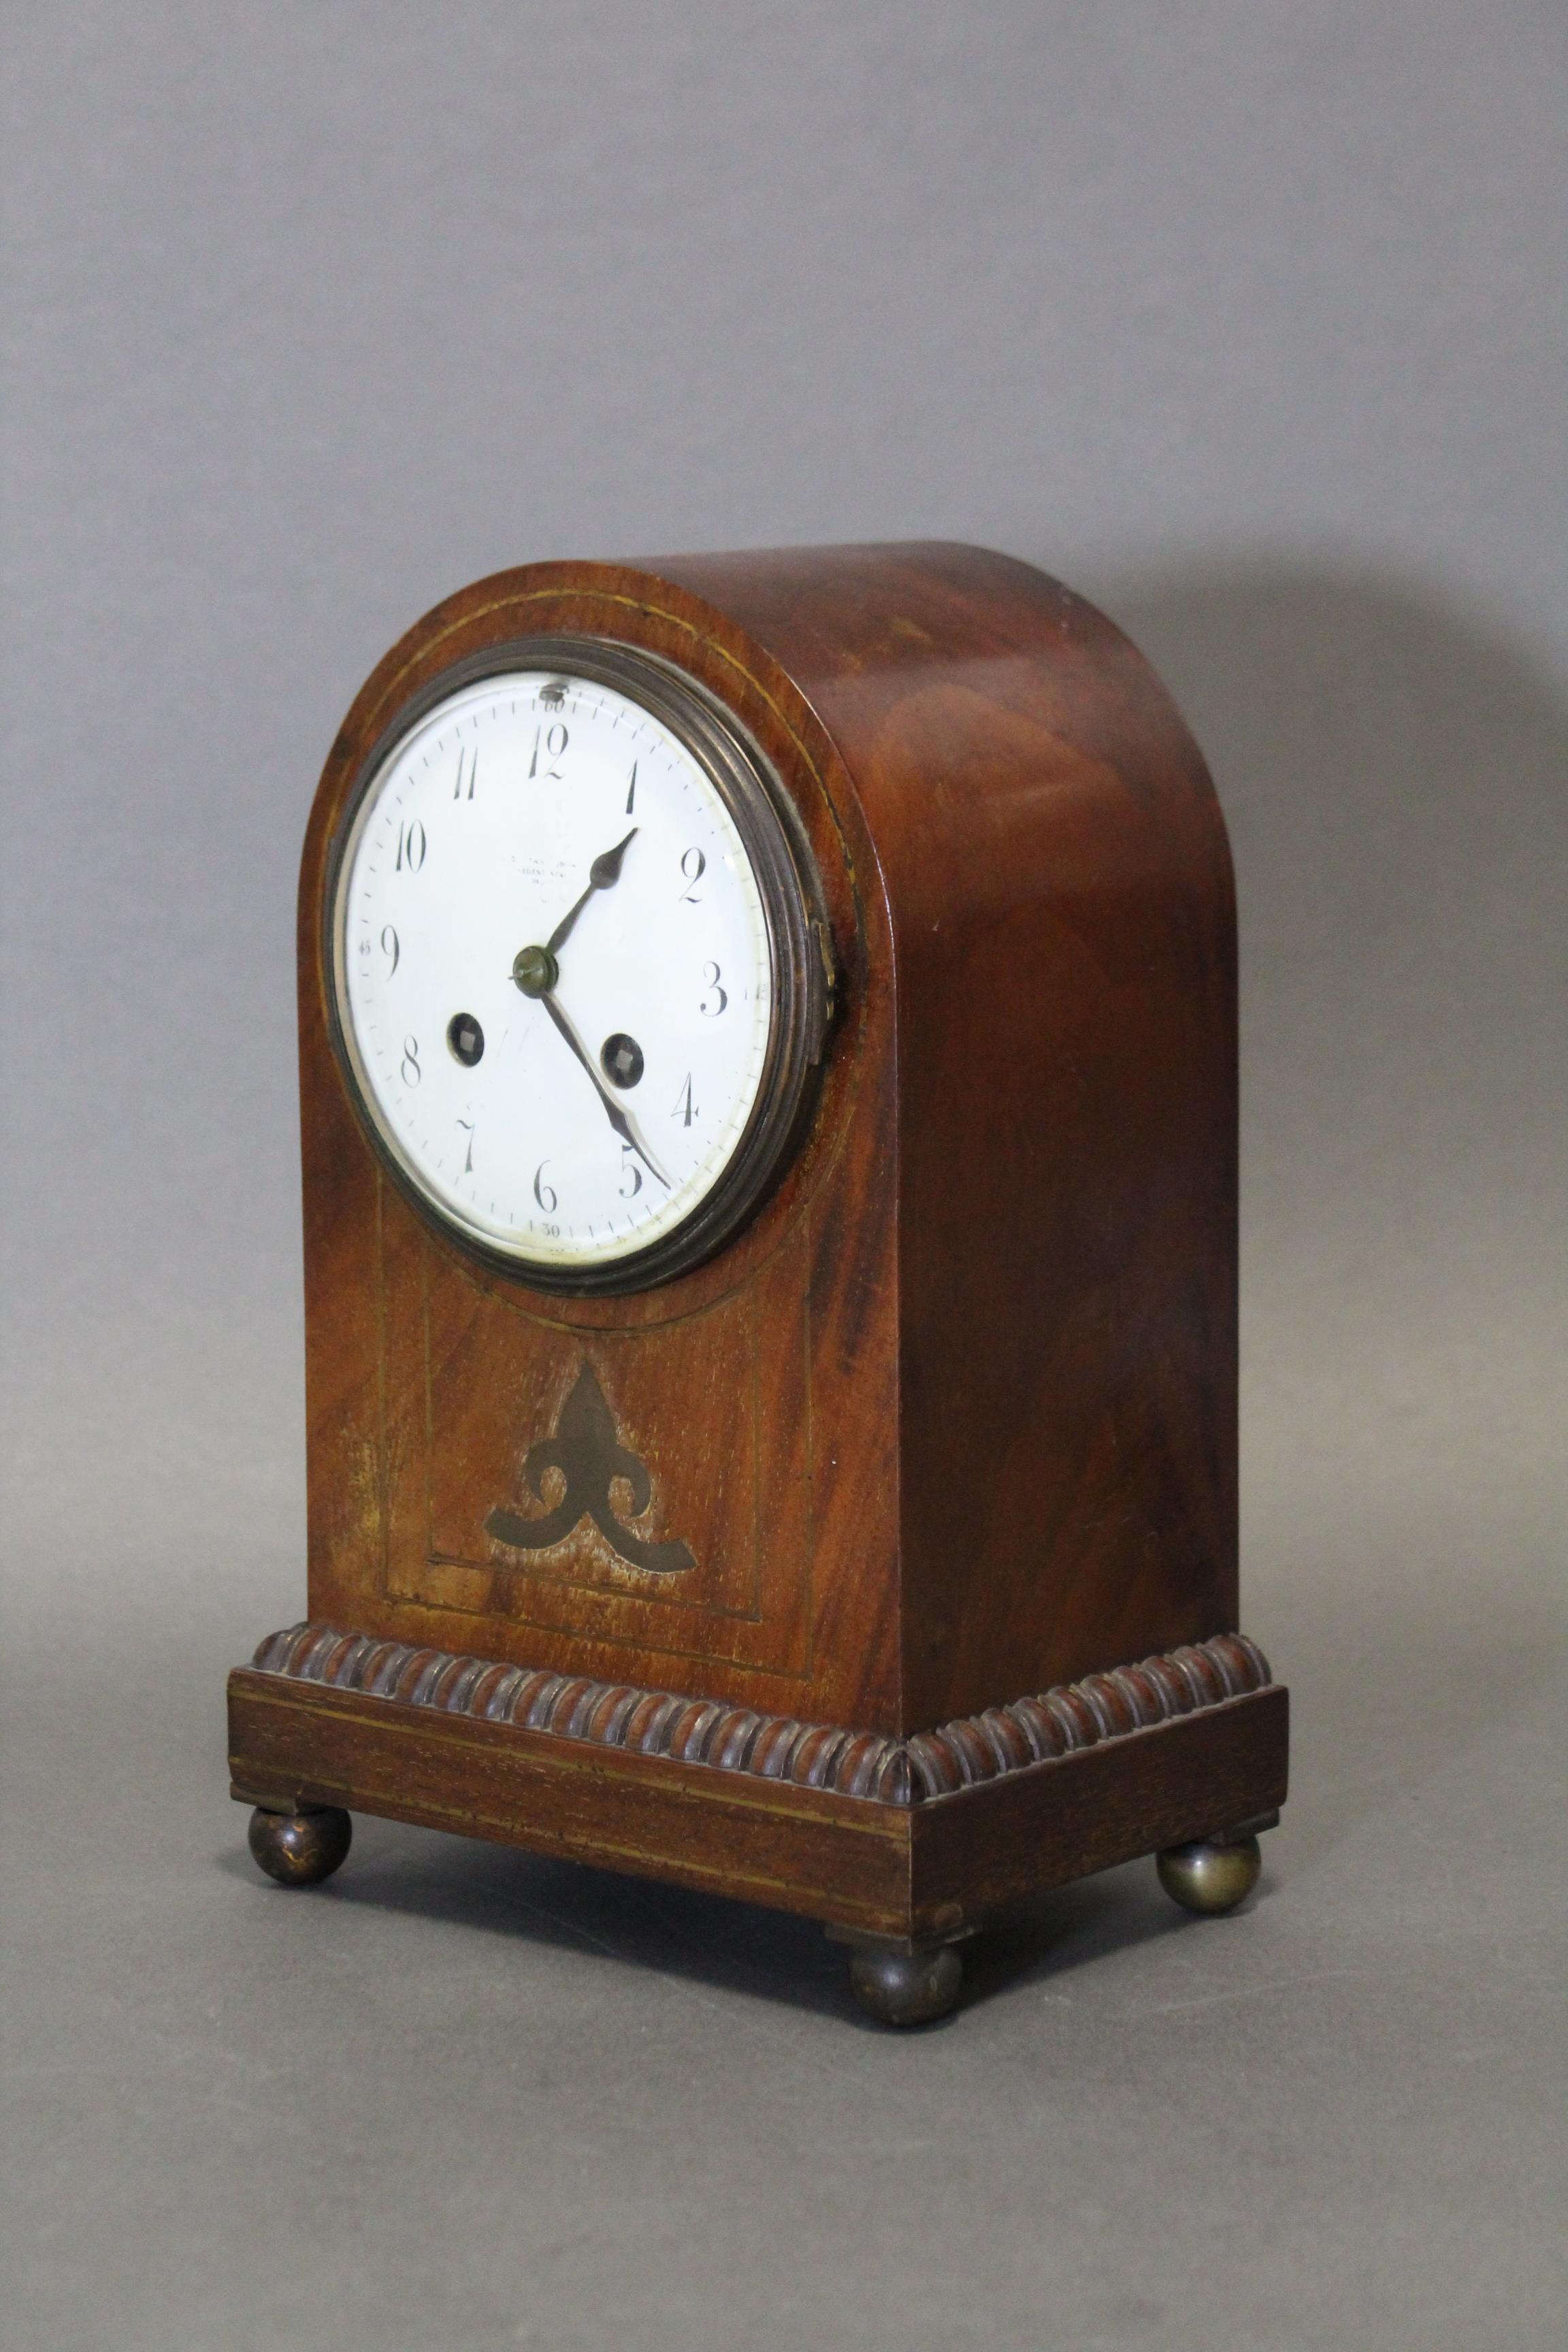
(466, 1885)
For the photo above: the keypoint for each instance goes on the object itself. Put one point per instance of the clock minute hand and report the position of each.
(613, 1111)
(603, 874)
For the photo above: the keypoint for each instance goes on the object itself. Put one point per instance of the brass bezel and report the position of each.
(800, 969)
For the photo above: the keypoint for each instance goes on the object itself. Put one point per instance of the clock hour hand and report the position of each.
(605, 871)
(617, 1118)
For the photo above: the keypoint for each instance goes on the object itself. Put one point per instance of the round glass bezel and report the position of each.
(771, 834)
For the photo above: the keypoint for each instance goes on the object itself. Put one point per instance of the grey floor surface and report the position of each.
(463, 2097)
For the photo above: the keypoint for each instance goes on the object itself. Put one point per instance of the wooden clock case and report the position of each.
(948, 1432)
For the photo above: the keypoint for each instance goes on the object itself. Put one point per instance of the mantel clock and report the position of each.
(768, 1064)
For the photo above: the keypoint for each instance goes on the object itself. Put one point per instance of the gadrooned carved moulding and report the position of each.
(916, 1770)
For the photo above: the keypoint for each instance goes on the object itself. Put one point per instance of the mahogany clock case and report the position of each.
(943, 1434)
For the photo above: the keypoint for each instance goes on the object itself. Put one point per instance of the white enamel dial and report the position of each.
(555, 970)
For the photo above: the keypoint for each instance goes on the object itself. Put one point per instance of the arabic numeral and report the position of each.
(468, 1162)
(473, 769)
(711, 976)
(545, 1193)
(552, 741)
(632, 789)
(409, 1065)
(629, 1167)
(685, 1108)
(693, 865)
(389, 947)
(410, 847)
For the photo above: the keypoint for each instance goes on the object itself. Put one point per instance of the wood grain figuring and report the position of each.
(953, 1417)
(761, 1389)
(1060, 903)
(1194, 1776)
(956, 1414)
(929, 1766)
(792, 1848)
(925, 1869)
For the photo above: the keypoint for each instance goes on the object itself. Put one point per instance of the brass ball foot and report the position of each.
(300, 1849)
(905, 1988)
(1210, 1876)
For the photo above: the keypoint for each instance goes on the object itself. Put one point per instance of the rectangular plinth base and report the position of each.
(896, 1863)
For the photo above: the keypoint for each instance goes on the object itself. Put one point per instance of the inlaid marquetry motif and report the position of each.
(588, 1455)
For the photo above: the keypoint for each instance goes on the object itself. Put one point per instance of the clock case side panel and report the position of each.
(825, 1359)
(1063, 924)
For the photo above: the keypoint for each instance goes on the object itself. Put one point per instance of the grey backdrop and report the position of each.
(1248, 320)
